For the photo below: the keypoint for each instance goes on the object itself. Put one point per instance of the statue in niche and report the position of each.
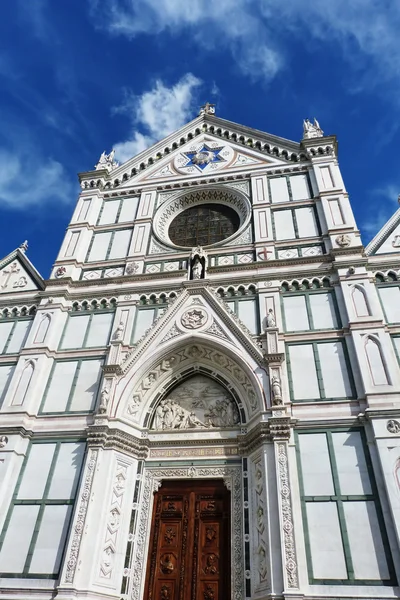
(197, 263)
(271, 321)
(198, 403)
(276, 389)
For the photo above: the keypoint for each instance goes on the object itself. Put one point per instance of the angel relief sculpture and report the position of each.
(199, 403)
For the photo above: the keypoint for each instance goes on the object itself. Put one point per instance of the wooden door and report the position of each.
(189, 552)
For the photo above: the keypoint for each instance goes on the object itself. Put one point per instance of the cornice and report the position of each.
(101, 436)
(277, 428)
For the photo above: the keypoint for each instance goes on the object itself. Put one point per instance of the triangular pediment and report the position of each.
(247, 145)
(196, 311)
(207, 155)
(18, 275)
(387, 240)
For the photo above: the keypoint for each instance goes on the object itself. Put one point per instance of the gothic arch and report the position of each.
(375, 360)
(138, 391)
(360, 301)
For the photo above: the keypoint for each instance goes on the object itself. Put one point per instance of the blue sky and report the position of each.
(81, 76)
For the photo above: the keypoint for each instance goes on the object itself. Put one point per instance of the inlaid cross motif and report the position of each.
(8, 272)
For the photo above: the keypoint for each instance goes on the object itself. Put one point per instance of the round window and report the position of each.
(203, 225)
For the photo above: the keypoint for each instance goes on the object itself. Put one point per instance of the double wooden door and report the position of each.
(189, 552)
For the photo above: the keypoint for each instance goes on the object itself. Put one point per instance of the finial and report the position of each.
(106, 161)
(207, 109)
(24, 246)
(312, 130)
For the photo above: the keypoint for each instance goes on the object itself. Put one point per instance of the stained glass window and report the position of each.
(203, 225)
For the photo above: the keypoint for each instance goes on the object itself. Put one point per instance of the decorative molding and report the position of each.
(114, 520)
(262, 559)
(287, 517)
(72, 558)
(152, 481)
(103, 437)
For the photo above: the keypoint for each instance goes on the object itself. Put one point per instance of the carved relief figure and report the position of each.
(312, 130)
(166, 564)
(198, 403)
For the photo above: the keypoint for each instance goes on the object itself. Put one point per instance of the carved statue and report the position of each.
(271, 322)
(197, 269)
(104, 397)
(106, 161)
(207, 109)
(312, 130)
(276, 389)
(24, 246)
(119, 332)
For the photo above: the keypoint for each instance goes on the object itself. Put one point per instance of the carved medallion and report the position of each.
(393, 426)
(343, 240)
(193, 319)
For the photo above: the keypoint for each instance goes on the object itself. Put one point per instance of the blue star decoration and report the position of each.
(203, 157)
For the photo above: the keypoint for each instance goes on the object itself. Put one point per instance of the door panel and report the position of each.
(189, 552)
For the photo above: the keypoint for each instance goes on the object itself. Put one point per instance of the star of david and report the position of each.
(203, 157)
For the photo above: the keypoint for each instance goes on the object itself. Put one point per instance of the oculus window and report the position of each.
(203, 225)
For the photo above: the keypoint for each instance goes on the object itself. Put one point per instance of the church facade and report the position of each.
(202, 402)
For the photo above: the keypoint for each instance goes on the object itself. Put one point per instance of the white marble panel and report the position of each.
(66, 474)
(366, 545)
(304, 374)
(296, 317)
(279, 189)
(334, 370)
(75, 331)
(51, 539)
(323, 311)
(284, 228)
(99, 248)
(18, 538)
(109, 212)
(325, 541)
(87, 385)
(36, 471)
(351, 464)
(306, 222)
(315, 465)
(390, 297)
(300, 188)
(100, 329)
(6, 372)
(60, 386)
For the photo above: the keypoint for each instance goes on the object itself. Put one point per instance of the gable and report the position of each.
(206, 155)
(387, 241)
(17, 274)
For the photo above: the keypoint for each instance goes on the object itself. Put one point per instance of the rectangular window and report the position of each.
(390, 299)
(89, 330)
(295, 223)
(13, 334)
(310, 311)
(144, 318)
(73, 240)
(109, 245)
(33, 539)
(319, 371)
(118, 211)
(247, 311)
(346, 541)
(300, 187)
(73, 386)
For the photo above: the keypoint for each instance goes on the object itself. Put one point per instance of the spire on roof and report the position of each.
(24, 246)
(207, 109)
(312, 130)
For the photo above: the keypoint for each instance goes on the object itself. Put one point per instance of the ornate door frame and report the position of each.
(152, 478)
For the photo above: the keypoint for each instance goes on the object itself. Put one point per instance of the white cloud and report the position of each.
(366, 31)
(27, 181)
(383, 205)
(156, 113)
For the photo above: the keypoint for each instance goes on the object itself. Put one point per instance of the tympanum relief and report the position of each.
(199, 403)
